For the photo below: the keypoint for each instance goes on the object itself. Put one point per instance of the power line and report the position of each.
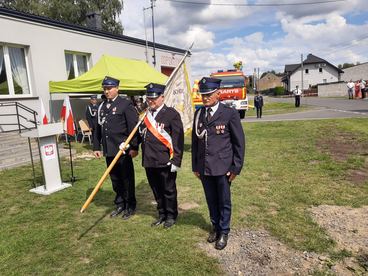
(254, 4)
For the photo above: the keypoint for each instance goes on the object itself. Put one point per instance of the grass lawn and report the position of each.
(272, 108)
(284, 175)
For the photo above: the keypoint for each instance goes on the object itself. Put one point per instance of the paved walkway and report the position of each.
(324, 108)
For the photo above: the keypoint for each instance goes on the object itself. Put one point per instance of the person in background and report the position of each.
(91, 113)
(218, 148)
(362, 88)
(117, 118)
(297, 94)
(350, 86)
(258, 104)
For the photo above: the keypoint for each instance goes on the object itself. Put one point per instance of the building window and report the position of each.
(324, 80)
(76, 64)
(320, 70)
(307, 71)
(14, 77)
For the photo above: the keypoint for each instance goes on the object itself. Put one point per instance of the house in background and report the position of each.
(315, 71)
(270, 80)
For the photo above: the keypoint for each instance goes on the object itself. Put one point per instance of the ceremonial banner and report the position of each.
(178, 95)
(67, 117)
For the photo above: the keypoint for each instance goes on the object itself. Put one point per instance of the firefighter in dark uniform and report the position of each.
(91, 113)
(218, 146)
(258, 104)
(162, 151)
(116, 119)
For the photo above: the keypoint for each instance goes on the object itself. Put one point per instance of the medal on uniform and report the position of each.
(114, 109)
(222, 128)
(108, 105)
(217, 129)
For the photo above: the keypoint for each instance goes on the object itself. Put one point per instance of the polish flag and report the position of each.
(67, 117)
(43, 117)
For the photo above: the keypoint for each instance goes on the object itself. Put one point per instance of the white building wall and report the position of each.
(356, 72)
(313, 77)
(46, 54)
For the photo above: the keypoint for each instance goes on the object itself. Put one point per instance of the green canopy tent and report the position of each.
(133, 76)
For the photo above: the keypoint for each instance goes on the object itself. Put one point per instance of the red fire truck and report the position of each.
(233, 91)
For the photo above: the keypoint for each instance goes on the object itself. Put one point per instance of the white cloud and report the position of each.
(280, 34)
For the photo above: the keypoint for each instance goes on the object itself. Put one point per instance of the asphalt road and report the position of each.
(322, 108)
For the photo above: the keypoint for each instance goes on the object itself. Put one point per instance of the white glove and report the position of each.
(123, 147)
(173, 167)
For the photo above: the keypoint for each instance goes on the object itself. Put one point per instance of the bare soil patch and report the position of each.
(341, 147)
(251, 252)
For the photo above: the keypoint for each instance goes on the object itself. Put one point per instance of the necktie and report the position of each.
(208, 116)
(153, 111)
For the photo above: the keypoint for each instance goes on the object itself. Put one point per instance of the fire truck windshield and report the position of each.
(231, 81)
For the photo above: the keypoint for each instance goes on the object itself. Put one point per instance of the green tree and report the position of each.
(73, 11)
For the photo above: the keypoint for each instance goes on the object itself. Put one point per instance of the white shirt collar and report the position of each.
(213, 108)
(157, 111)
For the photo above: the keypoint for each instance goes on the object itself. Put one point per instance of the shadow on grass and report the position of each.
(93, 225)
(102, 198)
(194, 219)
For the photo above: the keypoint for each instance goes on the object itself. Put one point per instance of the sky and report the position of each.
(260, 36)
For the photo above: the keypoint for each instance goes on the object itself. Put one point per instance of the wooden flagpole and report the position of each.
(106, 173)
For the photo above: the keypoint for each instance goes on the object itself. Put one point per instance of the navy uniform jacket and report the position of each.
(117, 122)
(258, 101)
(222, 149)
(91, 115)
(154, 153)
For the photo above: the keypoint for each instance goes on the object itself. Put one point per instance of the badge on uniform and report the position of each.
(114, 110)
(220, 129)
(108, 105)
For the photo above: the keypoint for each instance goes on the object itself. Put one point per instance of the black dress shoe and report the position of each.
(128, 213)
(221, 242)
(169, 222)
(117, 211)
(158, 222)
(213, 236)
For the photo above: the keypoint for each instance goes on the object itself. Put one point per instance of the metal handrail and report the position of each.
(19, 116)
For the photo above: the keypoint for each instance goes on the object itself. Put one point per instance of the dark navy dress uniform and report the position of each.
(91, 114)
(116, 121)
(156, 157)
(218, 147)
(258, 104)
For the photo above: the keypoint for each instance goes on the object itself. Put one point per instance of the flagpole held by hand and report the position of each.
(106, 173)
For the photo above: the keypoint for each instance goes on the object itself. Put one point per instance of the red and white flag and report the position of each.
(67, 117)
(43, 117)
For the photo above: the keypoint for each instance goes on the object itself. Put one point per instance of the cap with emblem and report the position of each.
(208, 85)
(93, 97)
(110, 81)
(153, 90)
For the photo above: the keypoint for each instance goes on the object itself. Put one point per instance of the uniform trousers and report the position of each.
(297, 101)
(259, 112)
(218, 197)
(123, 181)
(163, 185)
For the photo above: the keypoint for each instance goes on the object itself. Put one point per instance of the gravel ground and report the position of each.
(251, 252)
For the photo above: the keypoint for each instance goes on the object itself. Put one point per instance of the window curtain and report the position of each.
(82, 64)
(69, 63)
(18, 67)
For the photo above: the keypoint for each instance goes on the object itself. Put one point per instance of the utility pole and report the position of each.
(254, 80)
(258, 80)
(301, 62)
(153, 34)
(145, 32)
